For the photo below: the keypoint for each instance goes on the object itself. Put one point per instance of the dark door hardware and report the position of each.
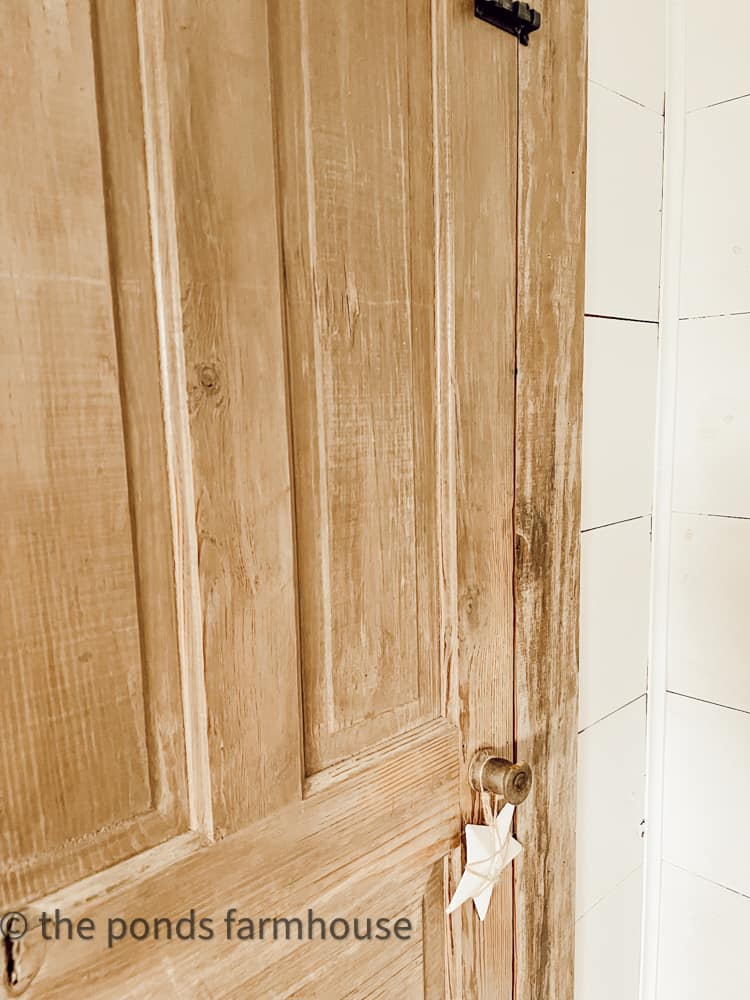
(516, 18)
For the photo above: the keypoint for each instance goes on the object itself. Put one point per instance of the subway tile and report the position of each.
(703, 940)
(715, 274)
(623, 207)
(718, 68)
(614, 617)
(712, 452)
(707, 794)
(709, 625)
(619, 397)
(611, 781)
(625, 58)
(608, 944)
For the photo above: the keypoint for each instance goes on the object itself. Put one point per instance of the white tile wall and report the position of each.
(623, 213)
(709, 619)
(623, 228)
(705, 934)
(705, 922)
(619, 393)
(614, 617)
(716, 215)
(712, 454)
(718, 67)
(608, 945)
(707, 792)
(614, 36)
(611, 780)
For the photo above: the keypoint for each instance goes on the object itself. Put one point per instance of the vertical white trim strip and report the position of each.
(669, 312)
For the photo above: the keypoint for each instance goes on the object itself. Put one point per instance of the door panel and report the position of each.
(315, 426)
(364, 846)
(91, 702)
(208, 107)
(353, 110)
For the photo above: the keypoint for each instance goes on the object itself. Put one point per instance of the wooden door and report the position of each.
(289, 424)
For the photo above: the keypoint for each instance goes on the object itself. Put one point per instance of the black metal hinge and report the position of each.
(516, 18)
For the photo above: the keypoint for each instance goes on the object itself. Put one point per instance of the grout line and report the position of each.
(708, 701)
(621, 319)
(718, 104)
(693, 319)
(631, 100)
(611, 524)
(610, 892)
(705, 513)
(704, 878)
(666, 420)
(614, 711)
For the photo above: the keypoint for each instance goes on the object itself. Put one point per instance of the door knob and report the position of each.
(490, 773)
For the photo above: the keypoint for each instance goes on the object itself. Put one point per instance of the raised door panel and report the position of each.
(93, 766)
(208, 100)
(370, 845)
(353, 112)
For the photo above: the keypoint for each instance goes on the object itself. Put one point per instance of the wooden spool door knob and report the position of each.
(511, 782)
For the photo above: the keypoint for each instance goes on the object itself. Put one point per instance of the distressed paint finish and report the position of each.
(552, 133)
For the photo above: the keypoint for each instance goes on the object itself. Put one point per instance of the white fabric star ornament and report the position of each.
(489, 849)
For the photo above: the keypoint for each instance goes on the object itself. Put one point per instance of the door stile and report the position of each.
(479, 117)
(552, 159)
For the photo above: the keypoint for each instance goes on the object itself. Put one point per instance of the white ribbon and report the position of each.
(490, 849)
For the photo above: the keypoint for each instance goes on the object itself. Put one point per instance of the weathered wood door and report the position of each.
(289, 404)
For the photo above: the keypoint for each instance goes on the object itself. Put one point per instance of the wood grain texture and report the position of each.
(165, 264)
(350, 845)
(90, 719)
(552, 134)
(216, 58)
(121, 127)
(350, 970)
(307, 218)
(434, 940)
(482, 121)
(352, 87)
